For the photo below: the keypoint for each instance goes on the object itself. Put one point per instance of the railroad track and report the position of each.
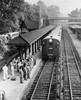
(73, 70)
(45, 85)
(66, 85)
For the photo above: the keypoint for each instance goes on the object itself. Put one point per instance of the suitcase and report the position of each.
(13, 78)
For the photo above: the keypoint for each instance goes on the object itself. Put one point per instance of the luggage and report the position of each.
(13, 78)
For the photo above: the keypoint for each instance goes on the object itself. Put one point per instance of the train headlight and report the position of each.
(50, 40)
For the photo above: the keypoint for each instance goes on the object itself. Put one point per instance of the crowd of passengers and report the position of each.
(23, 67)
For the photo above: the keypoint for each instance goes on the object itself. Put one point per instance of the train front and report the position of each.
(51, 44)
(50, 48)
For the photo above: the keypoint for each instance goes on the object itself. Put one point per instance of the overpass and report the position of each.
(65, 18)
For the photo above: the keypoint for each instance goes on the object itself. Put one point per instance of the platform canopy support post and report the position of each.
(31, 49)
(35, 46)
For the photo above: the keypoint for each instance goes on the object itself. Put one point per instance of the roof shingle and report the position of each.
(28, 38)
(18, 41)
(30, 24)
(36, 34)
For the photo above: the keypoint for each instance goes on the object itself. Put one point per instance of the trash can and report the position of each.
(2, 95)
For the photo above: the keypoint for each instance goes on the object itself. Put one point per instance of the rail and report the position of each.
(72, 59)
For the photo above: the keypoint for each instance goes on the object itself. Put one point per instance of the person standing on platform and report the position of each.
(21, 74)
(19, 65)
(31, 63)
(28, 70)
(5, 72)
(24, 71)
(12, 69)
(14, 63)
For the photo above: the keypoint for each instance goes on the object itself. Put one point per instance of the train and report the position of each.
(51, 44)
(13, 35)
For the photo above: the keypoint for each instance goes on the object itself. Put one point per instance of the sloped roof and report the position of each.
(36, 34)
(30, 24)
(75, 26)
(18, 41)
(79, 31)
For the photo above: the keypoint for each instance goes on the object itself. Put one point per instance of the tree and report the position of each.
(50, 11)
(53, 11)
(74, 13)
(8, 10)
(80, 12)
(34, 9)
(26, 10)
(30, 11)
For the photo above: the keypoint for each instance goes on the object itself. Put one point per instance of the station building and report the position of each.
(30, 38)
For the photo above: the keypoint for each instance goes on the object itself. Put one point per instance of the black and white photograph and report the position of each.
(40, 49)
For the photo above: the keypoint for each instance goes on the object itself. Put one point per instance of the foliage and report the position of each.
(13, 11)
(9, 8)
(33, 12)
(30, 11)
(3, 47)
(34, 9)
(75, 13)
(49, 11)
(54, 11)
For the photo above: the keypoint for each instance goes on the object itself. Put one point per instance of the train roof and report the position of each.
(55, 34)
(13, 34)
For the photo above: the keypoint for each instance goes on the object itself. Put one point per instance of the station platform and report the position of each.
(14, 90)
(76, 42)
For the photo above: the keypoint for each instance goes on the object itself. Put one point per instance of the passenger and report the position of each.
(31, 63)
(2, 95)
(14, 63)
(17, 67)
(28, 64)
(18, 59)
(23, 62)
(5, 72)
(19, 64)
(24, 72)
(28, 71)
(12, 69)
(21, 74)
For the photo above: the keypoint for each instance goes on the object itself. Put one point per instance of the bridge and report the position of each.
(65, 18)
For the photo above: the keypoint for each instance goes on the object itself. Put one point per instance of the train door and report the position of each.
(50, 49)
